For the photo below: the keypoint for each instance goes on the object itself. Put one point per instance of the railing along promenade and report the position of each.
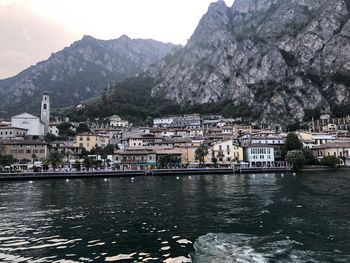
(133, 173)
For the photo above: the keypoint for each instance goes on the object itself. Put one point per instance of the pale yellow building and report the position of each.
(225, 152)
(337, 149)
(188, 150)
(91, 140)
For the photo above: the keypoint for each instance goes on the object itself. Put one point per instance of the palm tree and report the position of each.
(200, 153)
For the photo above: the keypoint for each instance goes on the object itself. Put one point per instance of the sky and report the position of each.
(30, 30)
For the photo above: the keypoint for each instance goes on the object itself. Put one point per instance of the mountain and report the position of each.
(277, 59)
(79, 72)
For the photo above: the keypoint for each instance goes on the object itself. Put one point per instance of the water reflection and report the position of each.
(265, 217)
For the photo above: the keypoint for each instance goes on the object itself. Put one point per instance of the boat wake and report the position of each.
(243, 248)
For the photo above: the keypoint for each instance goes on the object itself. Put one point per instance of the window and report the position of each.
(45, 106)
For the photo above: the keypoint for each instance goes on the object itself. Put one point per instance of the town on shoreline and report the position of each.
(32, 144)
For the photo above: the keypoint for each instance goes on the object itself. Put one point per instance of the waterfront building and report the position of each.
(143, 157)
(10, 132)
(188, 148)
(276, 142)
(24, 149)
(91, 140)
(337, 149)
(66, 148)
(225, 152)
(259, 155)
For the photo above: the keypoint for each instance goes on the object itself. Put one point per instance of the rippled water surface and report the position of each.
(248, 218)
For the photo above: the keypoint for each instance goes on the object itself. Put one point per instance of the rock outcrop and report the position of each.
(79, 72)
(279, 57)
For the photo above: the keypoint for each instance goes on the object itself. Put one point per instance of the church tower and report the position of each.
(45, 111)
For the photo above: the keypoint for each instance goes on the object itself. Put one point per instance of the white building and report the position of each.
(116, 121)
(29, 122)
(163, 122)
(259, 155)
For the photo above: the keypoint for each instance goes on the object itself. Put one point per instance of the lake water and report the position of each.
(211, 218)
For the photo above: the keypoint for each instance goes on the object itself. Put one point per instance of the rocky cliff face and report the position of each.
(79, 72)
(279, 57)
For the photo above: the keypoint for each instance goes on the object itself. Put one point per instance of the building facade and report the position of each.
(29, 122)
(338, 149)
(225, 152)
(12, 133)
(91, 140)
(24, 149)
(259, 155)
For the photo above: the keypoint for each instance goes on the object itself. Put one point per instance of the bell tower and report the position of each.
(45, 111)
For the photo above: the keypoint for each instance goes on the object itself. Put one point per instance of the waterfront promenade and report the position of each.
(133, 173)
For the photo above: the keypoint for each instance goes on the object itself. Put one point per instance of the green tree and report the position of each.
(215, 161)
(292, 143)
(331, 161)
(6, 160)
(77, 165)
(96, 151)
(66, 129)
(310, 158)
(55, 159)
(84, 153)
(88, 162)
(82, 128)
(108, 150)
(200, 153)
(166, 161)
(50, 137)
(296, 159)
